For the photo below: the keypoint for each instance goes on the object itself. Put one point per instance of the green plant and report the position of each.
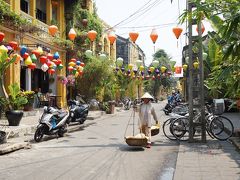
(15, 101)
(29, 95)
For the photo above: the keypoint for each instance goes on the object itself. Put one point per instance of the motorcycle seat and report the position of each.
(62, 114)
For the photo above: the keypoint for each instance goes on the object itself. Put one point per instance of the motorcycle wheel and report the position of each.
(166, 113)
(61, 131)
(39, 134)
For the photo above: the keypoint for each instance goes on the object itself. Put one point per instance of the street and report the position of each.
(98, 151)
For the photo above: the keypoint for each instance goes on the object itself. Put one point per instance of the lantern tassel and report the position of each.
(154, 48)
(177, 43)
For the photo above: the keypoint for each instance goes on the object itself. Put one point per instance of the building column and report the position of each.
(28, 79)
(49, 11)
(32, 8)
(61, 18)
(15, 6)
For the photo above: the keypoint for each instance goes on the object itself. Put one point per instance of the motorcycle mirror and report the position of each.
(45, 108)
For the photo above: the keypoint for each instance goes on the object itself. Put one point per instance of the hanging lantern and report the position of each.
(102, 57)
(70, 68)
(33, 57)
(147, 77)
(80, 68)
(151, 69)
(48, 63)
(82, 64)
(185, 66)
(112, 38)
(59, 61)
(13, 44)
(202, 28)
(60, 66)
(196, 64)
(72, 34)
(84, 22)
(80, 73)
(76, 74)
(72, 64)
(3, 49)
(32, 66)
(55, 61)
(119, 61)
(18, 58)
(78, 63)
(138, 63)
(2, 35)
(157, 71)
(92, 35)
(133, 36)
(205, 55)
(36, 52)
(28, 61)
(122, 69)
(9, 48)
(153, 77)
(158, 76)
(154, 36)
(88, 53)
(141, 68)
(23, 50)
(135, 71)
(52, 30)
(130, 66)
(56, 55)
(40, 50)
(177, 31)
(44, 67)
(163, 69)
(149, 72)
(73, 60)
(25, 56)
(155, 63)
(50, 56)
(178, 70)
(51, 71)
(43, 59)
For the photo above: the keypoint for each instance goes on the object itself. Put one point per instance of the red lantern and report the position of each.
(2, 35)
(36, 52)
(72, 34)
(48, 62)
(55, 61)
(80, 73)
(51, 71)
(70, 68)
(50, 56)
(82, 64)
(92, 35)
(112, 38)
(32, 66)
(177, 31)
(43, 59)
(59, 61)
(133, 36)
(25, 56)
(202, 28)
(13, 44)
(73, 60)
(18, 58)
(154, 36)
(52, 30)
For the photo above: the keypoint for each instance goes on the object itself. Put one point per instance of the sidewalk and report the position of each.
(214, 160)
(19, 137)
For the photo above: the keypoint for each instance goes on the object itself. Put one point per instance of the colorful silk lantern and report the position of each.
(204, 55)
(18, 58)
(152, 69)
(13, 44)
(73, 60)
(72, 64)
(51, 71)
(55, 61)
(92, 35)
(2, 35)
(56, 55)
(28, 61)
(25, 56)
(40, 50)
(139, 63)
(122, 69)
(23, 50)
(78, 63)
(157, 71)
(60, 66)
(82, 64)
(202, 28)
(130, 66)
(72, 34)
(149, 72)
(88, 53)
(80, 68)
(52, 30)
(154, 36)
(3, 49)
(163, 69)
(103, 57)
(36, 52)
(76, 74)
(48, 63)
(70, 68)
(44, 67)
(50, 56)
(43, 59)
(112, 38)
(119, 61)
(32, 66)
(185, 66)
(33, 57)
(196, 64)
(141, 68)
(133, 36)
(177, 31)
(59, 61)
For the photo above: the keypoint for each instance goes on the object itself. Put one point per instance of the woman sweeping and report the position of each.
(145, 112)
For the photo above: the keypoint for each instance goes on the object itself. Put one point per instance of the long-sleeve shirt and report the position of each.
(145, 112)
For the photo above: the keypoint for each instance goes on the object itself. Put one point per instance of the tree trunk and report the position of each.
(3, 91)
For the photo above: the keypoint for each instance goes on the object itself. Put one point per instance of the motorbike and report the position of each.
(127, 104)
(52, 121)
(78, 111)
(168, 109)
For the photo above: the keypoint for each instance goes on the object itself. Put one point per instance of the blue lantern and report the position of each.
(56, 55)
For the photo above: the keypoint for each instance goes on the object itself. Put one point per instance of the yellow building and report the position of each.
(40, 13)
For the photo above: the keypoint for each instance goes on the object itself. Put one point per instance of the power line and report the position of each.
(138, 27)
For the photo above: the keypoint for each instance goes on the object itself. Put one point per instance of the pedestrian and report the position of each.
(145, 111)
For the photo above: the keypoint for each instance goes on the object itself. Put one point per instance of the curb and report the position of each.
(236, 142)
(14, 147)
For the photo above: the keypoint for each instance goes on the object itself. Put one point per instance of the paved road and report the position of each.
(95, 152)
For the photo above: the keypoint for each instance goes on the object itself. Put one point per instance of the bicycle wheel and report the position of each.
(180, 129)
(221, 128)
(166, 129)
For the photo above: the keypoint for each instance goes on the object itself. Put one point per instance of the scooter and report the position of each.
(78, 111)
(52, 121)
(127, 104)
(168, 109)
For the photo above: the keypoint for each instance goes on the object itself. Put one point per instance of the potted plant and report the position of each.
(14, 104)
(30, 97)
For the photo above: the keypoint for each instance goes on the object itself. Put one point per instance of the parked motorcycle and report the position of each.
(53, 121)
(78, 111)
(127, 104)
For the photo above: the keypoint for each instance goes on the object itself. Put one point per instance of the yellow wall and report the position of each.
(13, 72)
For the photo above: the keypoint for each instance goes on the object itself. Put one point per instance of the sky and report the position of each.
(156, 12)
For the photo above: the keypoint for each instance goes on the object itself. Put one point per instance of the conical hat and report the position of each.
(147, 96)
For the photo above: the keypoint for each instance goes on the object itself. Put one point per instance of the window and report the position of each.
(24, 6)
(41, 10)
